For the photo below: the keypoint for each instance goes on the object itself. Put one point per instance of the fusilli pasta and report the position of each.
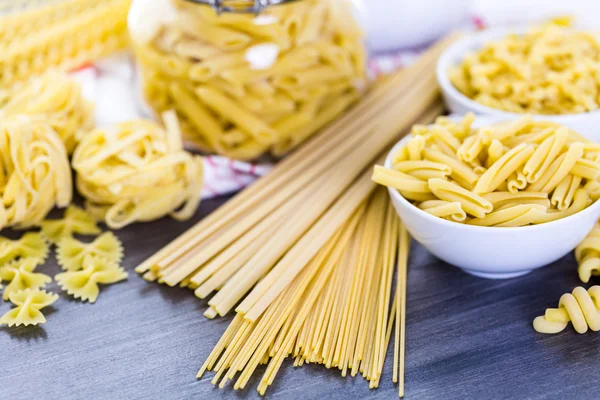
(581, 308)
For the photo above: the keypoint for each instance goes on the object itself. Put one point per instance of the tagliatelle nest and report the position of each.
(138, 171)
(56, 98)
(34, 172)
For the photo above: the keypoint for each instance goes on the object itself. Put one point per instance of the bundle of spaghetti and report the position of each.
(56, 98)
(138, 171)
(64, 34)
(268, 231)
(246, 85)
(35, 174)
(336, 312)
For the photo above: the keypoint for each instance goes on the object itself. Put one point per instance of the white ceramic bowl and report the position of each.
(490, 252)
(588, 124)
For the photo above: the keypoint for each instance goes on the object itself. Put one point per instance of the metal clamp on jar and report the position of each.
(249, 77)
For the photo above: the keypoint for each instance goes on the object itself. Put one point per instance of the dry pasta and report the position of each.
(71, 253)
(587, 254)
(581, 308)
(34, 172)
(63, 34)
(336, 311)
(505, 175)
(56, 99)
(83, 284)
(75, 220)
(30, 245)
(137, 171)
(245, 85)
(21, 276)
(549, 70)
(29, 302)
(258, 245)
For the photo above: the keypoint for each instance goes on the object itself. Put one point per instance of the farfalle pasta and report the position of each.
(75, 220)
(587, 254)
(35, 175)
(21, 276)
(549, 70)
(581, 308)
(30, 245)
(71, 253)
(29, 302)
(56, 99)
(138, 171)
(244, 85)
(508, 174)
(83, 284)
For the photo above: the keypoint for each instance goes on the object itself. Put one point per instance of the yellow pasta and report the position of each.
(29, 302)
(508, 174)
(59, 34)
(83, 284)
(21, 276)
(75, 220)
(71, 253)
(549, 70)
(56, 99)
(138, 171)
(34, 172)
(30, 245)
(581, 308)
(587, 254)
(272, 79)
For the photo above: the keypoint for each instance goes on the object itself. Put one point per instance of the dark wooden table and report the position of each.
(467, 338)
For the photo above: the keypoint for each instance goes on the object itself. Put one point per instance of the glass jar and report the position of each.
(249, 77)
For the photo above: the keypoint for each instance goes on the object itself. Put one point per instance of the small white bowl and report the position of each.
(491, 252)
(588, 124)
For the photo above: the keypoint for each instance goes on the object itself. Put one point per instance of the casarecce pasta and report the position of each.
(245, 85)
(549, 70)
(587, 254)
(508, 174)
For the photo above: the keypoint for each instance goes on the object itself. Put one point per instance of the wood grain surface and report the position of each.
(467, 338)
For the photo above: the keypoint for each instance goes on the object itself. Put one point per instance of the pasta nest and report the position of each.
(549, 70)
(244, 85)
(56, 98)
(35, 175)
(138, 171)
(508, 174)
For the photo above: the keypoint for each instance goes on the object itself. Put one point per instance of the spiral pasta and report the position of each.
(83, 284)
(138, 171)
(508, 174)
(587, 254)
(56, 99)
(29, 302)
(34, 172)
(549, 70)
(581, 308)
(62, 34)
(21, 276)
(245, 85)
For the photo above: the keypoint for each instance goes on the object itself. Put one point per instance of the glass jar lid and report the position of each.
(240, 6)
